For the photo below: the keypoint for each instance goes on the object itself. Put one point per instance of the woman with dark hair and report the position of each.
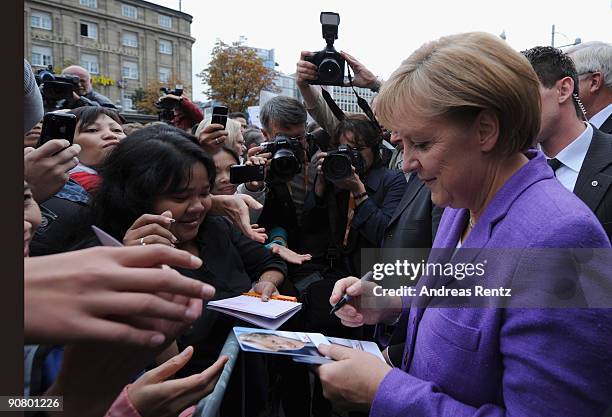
(165, 198)
(357, 207)
(98, 131)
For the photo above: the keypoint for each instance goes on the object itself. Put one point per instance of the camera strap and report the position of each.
(363, 104)
(337, 111)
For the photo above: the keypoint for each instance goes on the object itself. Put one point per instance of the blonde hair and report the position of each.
(232, 127)
(459, 75)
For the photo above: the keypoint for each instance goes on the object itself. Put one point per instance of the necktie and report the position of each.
(554, 164)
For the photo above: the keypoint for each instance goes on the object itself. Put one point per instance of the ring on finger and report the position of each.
(142, 242)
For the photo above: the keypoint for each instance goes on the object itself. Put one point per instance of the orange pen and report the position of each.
(272, 297)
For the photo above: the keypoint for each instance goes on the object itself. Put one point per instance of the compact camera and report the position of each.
(338, 164)
(286, 157)
(330, 64)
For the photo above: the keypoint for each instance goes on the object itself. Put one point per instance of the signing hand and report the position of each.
(151, 228)
(46, 168)
(352, 381)
(155, 395)
(355, 313)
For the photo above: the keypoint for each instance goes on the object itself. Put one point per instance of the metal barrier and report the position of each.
(209, 405)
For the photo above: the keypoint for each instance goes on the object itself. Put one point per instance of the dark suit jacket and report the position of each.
(594, 183)
(606, 127)
(415, 220)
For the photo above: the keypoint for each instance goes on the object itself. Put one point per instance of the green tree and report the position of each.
(236, 75)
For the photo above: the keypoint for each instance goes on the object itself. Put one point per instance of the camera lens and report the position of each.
(284, 164)
(329, 70)
(337, 167)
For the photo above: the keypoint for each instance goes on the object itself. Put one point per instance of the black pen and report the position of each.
(346, 298)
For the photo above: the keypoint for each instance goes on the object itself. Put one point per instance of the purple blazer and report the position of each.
(508, 362)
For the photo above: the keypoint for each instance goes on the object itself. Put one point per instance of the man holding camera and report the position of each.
(176, 109)
(85, 95)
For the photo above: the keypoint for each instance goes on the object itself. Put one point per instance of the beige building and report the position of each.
(125, 44)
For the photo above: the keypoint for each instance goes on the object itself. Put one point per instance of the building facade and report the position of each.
(124, 44)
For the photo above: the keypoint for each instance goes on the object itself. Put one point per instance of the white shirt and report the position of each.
(601, 117)
(572, 157)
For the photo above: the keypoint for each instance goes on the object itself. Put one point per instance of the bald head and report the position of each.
(84, 76)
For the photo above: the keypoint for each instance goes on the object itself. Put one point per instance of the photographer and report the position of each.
(85, 95)
(354, 194)
(182, 112)
(313, 98)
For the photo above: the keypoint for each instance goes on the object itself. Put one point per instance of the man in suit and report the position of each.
(593, 62)
(580, 154)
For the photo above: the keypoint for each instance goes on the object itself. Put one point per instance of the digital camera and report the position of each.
(56, 87)
(338, 164)
(286, 157)
(169, 103)
(330, 64)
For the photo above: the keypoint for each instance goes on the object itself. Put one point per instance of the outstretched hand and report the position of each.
(156, 395)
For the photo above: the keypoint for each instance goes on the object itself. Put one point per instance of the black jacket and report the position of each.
(231, 263)
(594, 183)
(328, 216)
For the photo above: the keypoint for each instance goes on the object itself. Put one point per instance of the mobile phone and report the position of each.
(57, 126)
(219, 115)
(246, 173)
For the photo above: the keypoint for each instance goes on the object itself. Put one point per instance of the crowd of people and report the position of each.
(493, 148)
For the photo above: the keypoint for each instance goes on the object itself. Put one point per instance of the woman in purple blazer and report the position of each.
(468, 109)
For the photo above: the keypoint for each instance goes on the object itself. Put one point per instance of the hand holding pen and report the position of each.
(346, 301)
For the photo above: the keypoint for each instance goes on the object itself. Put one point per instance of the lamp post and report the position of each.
(552, 38)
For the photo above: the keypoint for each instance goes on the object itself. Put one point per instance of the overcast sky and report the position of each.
(381, 33)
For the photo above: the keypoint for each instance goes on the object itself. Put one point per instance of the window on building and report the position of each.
(126, 101)
(130, 39)
(165, 47)
(41, 20)
(130, 70)
(165, 21)
(42, 56)
(89, 30)
(164, 74)
(89, 3)
(129, 11)
(90, 63)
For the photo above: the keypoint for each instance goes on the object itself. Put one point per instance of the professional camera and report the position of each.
(169, 103)
(329, 62)
(286, 157)
(337, 165)
(166, 105)
(55, 87)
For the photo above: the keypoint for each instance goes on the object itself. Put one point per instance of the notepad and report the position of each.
(269, 315)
